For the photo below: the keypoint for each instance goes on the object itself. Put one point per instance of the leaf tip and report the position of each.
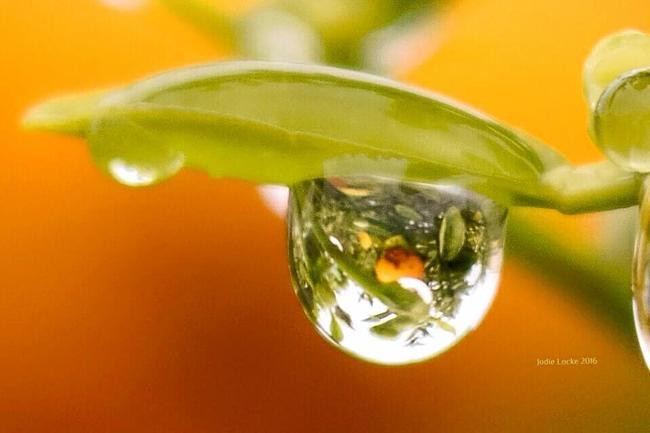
(69, 114)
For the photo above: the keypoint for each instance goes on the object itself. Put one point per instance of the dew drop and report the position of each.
(374, 279)
(641, 277)
(620, 121)
(131, 153)
(130, 175)
(143, 172)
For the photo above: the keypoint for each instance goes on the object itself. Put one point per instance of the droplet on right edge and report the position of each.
(641, 277)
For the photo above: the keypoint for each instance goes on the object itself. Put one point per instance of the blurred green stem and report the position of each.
(205, 18)
(575, 266)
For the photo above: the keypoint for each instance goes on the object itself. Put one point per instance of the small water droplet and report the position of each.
(130, 174)
(403, 300)
(130, 153)
(141, 174)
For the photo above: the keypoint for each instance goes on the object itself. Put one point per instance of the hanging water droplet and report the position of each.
(393, 272)
(127, 152)
(131, 175)
(641, 276)
(145, 171)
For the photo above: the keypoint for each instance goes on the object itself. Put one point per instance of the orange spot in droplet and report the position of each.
(398, 263)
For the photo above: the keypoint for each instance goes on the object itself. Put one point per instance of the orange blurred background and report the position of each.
(170, 309)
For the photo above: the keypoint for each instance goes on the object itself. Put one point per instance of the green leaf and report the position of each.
(69, 114)
(452, 234)
(393, 327)
(335, 329)
(284, 123)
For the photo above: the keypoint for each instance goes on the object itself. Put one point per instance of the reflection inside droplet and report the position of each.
(393, 272)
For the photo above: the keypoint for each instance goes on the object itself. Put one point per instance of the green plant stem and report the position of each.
(591, 187)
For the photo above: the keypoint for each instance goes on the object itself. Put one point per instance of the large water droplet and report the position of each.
(641, 277)
(393, 272)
